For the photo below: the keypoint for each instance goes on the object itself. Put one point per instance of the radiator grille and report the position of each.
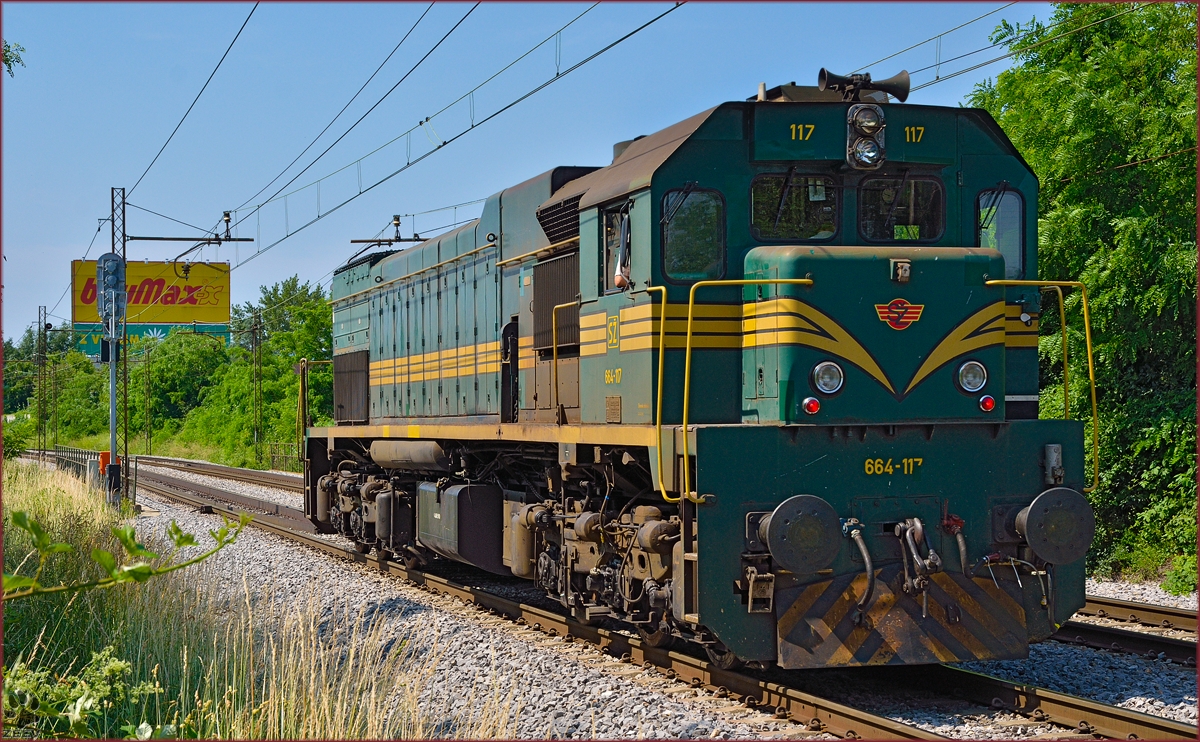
(556, 281)
(350, 387)
(560, 221)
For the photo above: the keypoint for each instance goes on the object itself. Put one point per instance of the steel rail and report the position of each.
(1113, 638)
(1165, 616)
(818, 714)
(251, 476)
(1041, 704)
(226, 502)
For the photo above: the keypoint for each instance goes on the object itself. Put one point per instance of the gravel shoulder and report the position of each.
(287, 498)
(1139, 592)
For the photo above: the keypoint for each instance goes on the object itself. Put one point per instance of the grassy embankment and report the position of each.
(188, 654)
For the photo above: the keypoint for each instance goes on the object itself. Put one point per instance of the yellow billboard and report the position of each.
(159, 293)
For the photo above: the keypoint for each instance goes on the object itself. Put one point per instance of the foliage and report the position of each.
(1181, 579)
(17, 435)
(17, 586)
(12, 55)
(1081, 108)
(20, 363)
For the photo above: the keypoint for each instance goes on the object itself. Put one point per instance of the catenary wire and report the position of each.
(339, 113)
(378, 102)
(189, 110)
(1022, 50)
(462, 97)
(462, 133)
(170, 218)
(933, 38)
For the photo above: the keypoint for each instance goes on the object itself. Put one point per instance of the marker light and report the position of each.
(867, 121)
(987, 403)
(867, 152)
(811, 405)
(827, 377)
(972, 376)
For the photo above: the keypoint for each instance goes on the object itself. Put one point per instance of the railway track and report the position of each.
(1079, 715)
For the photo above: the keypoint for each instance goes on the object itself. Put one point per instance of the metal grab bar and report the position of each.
(1087, 329)
(662, 352)
(554, 341)
(687, 362)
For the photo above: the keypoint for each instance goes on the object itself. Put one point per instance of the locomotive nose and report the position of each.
(1058, 524)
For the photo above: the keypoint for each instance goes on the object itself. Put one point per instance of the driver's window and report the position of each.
(616, 248)
(999, 228)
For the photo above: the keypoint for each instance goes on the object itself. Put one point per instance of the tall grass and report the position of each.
(213, 660)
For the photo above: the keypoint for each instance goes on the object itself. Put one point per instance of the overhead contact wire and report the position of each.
(339, 113)
(189, 110)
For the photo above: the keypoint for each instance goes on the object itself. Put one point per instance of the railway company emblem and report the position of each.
(899, 313)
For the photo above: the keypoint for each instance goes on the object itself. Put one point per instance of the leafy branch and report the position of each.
(17, 586)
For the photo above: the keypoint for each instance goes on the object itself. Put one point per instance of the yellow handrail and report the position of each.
(687, 357)
(662, 353)
(1087, 330)
(554, 341)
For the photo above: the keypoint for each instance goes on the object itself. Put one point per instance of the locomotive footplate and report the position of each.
(965, 619)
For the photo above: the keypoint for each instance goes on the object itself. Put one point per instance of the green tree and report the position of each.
(12, 55)
(1106, 116)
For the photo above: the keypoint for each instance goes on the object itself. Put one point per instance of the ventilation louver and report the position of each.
(560, 221)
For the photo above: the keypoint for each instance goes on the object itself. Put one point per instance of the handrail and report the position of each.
(455, 259)
(687, 362)
(662, 353)
(1087, 329)
(554, 341)
(533, 253)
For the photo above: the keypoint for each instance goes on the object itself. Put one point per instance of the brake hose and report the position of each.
(850, 528)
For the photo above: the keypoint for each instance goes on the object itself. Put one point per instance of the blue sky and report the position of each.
(106, 83)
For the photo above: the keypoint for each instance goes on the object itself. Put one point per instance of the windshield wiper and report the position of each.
(890, 221)
(991, 208)
(687, 191)
(787, 186)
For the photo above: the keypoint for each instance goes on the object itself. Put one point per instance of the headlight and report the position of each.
(867, 152)
(828, 377)
(972, 376)
(866, 120)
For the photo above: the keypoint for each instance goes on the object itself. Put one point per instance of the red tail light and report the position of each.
(987, 403)
(811, 405)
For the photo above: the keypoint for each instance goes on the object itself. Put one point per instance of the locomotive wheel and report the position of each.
(362, 548)
(384, 554)
(722, 657)
(659, 638)
(409, 559)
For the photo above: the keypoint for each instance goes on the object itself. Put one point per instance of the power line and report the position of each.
(933, 38)
(85, 254)
(1131, 164)
(558, 76)
(456, 101)
(170, 218)
(377, 103)
(189, 110)
(1025, 49)
(339, 113)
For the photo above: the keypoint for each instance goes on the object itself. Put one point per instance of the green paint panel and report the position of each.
(800, 131)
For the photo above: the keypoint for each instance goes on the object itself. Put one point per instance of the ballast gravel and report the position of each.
(556, 689)
(1139, 592)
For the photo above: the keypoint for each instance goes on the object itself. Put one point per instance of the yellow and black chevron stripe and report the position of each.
(966, 619)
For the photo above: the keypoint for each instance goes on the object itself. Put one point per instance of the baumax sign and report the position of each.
(158, 293)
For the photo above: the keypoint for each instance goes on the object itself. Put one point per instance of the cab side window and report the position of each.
(787, 206)
(905, 209)
(1000, 227)
(693, 237)
(616, 248)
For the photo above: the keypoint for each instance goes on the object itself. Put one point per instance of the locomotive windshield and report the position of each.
(904, 209)
(787, 206)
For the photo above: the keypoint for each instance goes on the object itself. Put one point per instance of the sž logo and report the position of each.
(899, 313)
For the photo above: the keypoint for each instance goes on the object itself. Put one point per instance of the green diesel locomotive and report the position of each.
(768, 382)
